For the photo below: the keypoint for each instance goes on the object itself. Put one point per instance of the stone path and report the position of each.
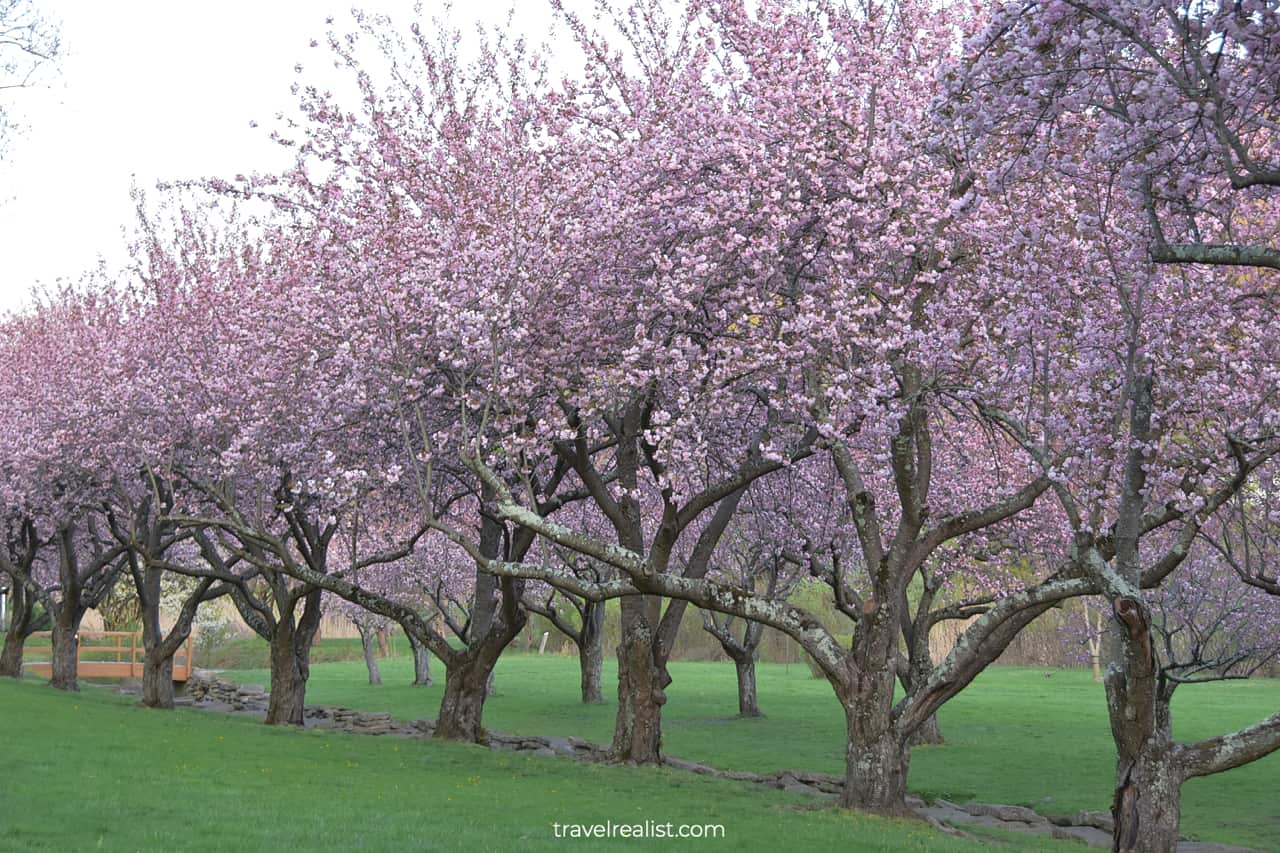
(207, 692)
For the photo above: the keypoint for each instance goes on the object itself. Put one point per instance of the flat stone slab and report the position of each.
(1008, 814)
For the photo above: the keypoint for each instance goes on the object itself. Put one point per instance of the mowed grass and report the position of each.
(96, 772)
(1031, 737)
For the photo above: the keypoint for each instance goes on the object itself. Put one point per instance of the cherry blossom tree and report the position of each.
(1145, 468)
(1182, 98)
(55, 442)
(830, 344)
(1167, 109)
(153, 544)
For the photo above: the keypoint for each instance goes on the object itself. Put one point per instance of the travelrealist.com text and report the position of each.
(645, 829)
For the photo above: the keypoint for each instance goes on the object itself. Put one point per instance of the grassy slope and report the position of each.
(253, 653)
(1016, 736)
(96, 772)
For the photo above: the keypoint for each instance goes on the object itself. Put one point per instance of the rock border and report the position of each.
(208, 692)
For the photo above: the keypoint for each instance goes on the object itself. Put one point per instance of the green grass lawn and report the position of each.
(95, 771)
(1031, 737)
(253, 653)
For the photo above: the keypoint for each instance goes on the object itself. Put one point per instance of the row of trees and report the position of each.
(891, 297)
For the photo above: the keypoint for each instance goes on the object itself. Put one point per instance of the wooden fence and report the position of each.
(109, 654)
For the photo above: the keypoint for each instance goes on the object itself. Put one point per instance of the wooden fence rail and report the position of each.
(110, 654)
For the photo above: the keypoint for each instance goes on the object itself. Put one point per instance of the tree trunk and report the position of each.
(367, 642)
(421, 663)
(875, 767)
(462, 708)
(642, 683)
(157, 677)
(877, 756)
(591, 662)
(11, 655)
(287, 705)
(1147, 806)
(927, 733)
(15, 636)
(919, 669)
(1147, 802)
(157, 662)
(66, 627)
(748, 704)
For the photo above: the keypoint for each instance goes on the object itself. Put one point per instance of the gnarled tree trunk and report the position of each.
(157, 677)
(468, 678)
(591, 652)
(497, 618)
(421, 663)
(11, 654)
(291, 663)
(287, 704)
(1147, 802)
(462, 708)
(877, 756)
(66, 642)
(21, 626)
(748, 701)
(1147, 806)
(157, 667)
(875, 769)
(642, 683)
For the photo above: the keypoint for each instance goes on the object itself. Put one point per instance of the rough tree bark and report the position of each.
(877, 756)
(1145, 804)
(81, 589)
(22, 624)
(157, 680)
(928, 732)
(66, 643)
(497, 618)
(291, 662)
(876, 764)
(462, 707)
(159, 647)
(1148, 799)
(421, 662)
(642, 683)
(748, 701)
(743, 654)
(591, 652)
(468, 674)
(368, 642)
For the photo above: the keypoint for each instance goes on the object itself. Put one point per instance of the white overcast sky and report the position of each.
(153, 90)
